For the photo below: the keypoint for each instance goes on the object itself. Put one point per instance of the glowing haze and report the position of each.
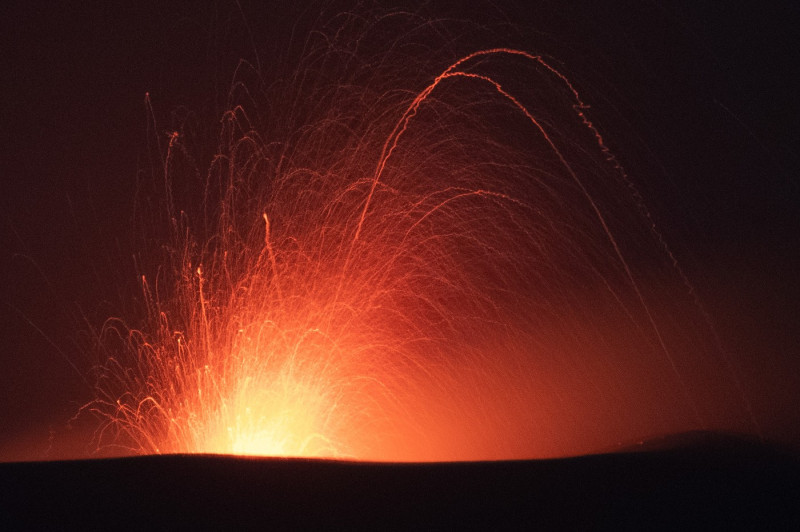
(398, 256)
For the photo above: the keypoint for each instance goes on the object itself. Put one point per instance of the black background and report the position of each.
(696, 99)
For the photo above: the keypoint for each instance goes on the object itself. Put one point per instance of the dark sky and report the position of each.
(698, 102)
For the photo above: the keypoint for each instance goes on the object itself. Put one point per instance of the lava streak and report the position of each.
(458, 272)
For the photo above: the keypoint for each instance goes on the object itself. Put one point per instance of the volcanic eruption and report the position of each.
(400, 252)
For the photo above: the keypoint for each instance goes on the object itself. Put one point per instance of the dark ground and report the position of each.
(706, 482)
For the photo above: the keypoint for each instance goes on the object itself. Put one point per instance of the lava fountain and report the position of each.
(368, 270)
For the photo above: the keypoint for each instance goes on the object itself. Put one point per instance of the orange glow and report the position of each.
(462, 274)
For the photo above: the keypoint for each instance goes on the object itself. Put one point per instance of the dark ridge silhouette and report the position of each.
(706, 439)
(703, 481)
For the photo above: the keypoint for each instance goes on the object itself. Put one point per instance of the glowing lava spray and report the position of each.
(461, 271)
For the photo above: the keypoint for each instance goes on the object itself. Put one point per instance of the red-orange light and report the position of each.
(467, 280)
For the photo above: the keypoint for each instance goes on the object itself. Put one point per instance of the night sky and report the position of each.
(696, 100)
